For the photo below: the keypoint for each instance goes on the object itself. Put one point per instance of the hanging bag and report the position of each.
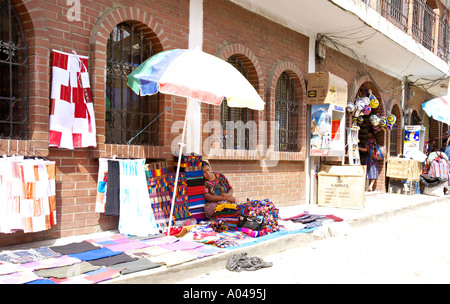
(378, 152)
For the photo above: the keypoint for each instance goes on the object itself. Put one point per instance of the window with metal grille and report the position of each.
(126, 112)
(286, 113)
(233, 115)
(14, 107)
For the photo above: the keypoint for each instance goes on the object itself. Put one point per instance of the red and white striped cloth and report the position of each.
(72, 120)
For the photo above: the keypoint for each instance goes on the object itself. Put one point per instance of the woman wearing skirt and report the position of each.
(370, 162)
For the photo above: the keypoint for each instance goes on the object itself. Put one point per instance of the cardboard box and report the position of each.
(402, 168)
(326, 88)
(404, 186)
(341, 186)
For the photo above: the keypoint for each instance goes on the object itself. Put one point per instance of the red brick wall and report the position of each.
(267, 48)
(270, 50)
(47, 27)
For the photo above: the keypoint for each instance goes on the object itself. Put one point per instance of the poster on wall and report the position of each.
(327, 122)
(414, 139)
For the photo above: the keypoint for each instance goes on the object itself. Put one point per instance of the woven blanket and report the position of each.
(94, 254)
(76, 247)
(30, 255)
(92, 277)
(135, 266)
(72, 120)
(64, 260)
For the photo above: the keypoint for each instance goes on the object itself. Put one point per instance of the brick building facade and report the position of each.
(264, 48)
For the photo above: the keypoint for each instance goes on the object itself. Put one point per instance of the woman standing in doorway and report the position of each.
(370, 162)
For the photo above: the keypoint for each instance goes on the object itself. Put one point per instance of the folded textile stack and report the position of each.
(192, 168)
(228, 213)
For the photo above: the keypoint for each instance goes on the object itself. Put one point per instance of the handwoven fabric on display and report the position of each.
(192, 167)
(265, 209)
(27, 194)
(72, 121)
(161, 185)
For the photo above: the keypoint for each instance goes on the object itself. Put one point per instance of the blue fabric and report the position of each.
(41, 281)
(95, 254)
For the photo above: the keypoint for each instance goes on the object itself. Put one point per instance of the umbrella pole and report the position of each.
(175, 188)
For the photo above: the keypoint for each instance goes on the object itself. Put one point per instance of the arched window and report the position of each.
(233, 115)
(126, 112)
(286, 113)
(14, 111)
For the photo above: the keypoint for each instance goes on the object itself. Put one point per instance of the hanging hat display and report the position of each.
(377, 128)
(350, 107)
(374, 119)
(374, 103)
(391, 119)
(389, 127)
(383, 122)
(366, 110)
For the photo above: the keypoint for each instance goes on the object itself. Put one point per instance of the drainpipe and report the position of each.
(404, 83)
(310, 186)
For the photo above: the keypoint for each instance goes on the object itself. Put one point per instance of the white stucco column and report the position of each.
(194, 127)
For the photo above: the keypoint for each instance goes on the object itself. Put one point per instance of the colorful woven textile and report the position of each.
(192, 167)
(265, 209)
(161, 185)
(72, 120)
(27, 194)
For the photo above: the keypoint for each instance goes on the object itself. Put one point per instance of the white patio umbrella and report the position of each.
(195, 75)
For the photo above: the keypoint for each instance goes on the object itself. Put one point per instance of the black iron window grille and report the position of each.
(286, 114)
(14, 79)
(230, 118)
(126, 112)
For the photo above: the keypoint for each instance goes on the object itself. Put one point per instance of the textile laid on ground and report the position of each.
(161, 183)
(31, 255)
(192, 167)
(66, 271)
(94, 254)
(77, 247)
(135, 266)
(27, 194)
(240, 262)
(72, 120)
(313, 220)
(113, 260)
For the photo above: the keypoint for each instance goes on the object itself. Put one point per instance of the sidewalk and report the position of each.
(378, 206)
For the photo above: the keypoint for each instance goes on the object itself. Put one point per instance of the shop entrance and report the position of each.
(363, 121)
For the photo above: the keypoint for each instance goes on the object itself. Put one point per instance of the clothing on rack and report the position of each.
(27, 194)
(72, 120)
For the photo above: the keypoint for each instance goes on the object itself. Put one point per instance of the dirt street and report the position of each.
(413, 247)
